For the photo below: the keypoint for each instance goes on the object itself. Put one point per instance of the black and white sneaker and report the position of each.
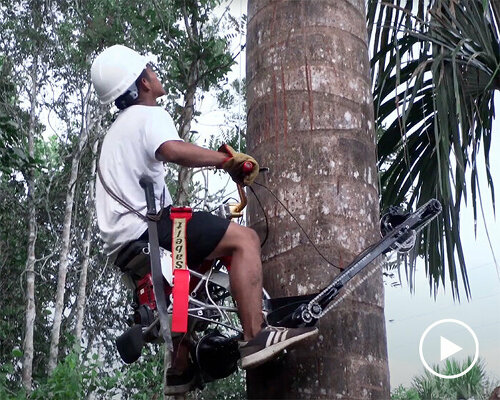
(271, 341)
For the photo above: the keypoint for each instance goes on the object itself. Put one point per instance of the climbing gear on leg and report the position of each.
(180, 217)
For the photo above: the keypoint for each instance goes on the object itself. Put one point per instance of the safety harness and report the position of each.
(180, 292)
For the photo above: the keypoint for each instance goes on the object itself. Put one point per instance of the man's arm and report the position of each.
(189, 155)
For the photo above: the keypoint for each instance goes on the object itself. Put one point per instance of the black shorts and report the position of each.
(203, 234)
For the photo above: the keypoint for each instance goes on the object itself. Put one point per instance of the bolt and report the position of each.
(316, 309)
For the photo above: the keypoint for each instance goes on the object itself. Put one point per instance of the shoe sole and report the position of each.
(256, 359)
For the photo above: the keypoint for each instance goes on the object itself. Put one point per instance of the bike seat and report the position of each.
(132, 260)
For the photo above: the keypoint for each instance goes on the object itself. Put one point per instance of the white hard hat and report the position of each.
(115, 70)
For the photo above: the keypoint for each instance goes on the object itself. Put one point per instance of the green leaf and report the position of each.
(16, 352)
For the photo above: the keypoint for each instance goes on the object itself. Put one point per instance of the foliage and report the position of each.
(230, 388)
(143, 380)
(473, 385)
(72, 379)
(13, 155)
(402, 393)
(435, 68)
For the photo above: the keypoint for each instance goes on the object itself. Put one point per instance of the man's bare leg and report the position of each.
(245, 276)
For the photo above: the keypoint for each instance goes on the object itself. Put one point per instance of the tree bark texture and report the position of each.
(310, 120)
(28, 347)
(65, 243)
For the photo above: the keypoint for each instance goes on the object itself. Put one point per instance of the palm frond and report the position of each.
(434, 73)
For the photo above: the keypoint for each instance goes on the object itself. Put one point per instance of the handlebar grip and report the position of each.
(247, 167)
(147, 184)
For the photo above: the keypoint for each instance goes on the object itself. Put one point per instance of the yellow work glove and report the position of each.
(242, 168)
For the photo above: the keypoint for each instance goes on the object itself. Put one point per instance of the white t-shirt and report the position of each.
(127, 154)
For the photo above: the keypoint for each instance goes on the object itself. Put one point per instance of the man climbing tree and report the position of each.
(143, 137)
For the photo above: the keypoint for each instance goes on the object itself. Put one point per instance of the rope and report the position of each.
(114, 196)
(299, 225)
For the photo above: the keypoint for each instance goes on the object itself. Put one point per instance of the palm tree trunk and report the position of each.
(65, 243)
(28, 348)
(310, 120)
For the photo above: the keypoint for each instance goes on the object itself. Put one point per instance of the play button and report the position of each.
(448, 348)
(446, 338)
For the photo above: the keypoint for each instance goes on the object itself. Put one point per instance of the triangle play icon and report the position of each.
(448, 348)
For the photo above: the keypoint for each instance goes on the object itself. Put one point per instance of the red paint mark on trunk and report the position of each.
(285, 111)
(266, 122)
(275, 109)
(309, 94)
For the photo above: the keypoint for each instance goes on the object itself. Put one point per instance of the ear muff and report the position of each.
(127, 99)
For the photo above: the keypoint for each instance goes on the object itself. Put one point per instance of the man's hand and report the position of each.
(233, 165)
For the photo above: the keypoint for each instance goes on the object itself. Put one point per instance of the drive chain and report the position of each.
(314, 302)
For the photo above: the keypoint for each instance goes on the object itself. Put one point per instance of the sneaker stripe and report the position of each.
(279, 336)
(276, 337)
(270, 339)
(275, 344)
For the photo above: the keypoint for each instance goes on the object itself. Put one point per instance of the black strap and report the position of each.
(158, 283)
(154, 256)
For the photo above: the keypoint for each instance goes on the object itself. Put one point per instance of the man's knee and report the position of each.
(244, 238)
(238, 238)
(250, 239)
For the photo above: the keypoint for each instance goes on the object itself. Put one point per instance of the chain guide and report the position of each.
(399, 233)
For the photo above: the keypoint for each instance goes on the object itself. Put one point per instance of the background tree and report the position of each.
(310, 120)
(30, 76)
(72, 34)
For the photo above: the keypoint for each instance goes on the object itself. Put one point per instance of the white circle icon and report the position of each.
(448, 347)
